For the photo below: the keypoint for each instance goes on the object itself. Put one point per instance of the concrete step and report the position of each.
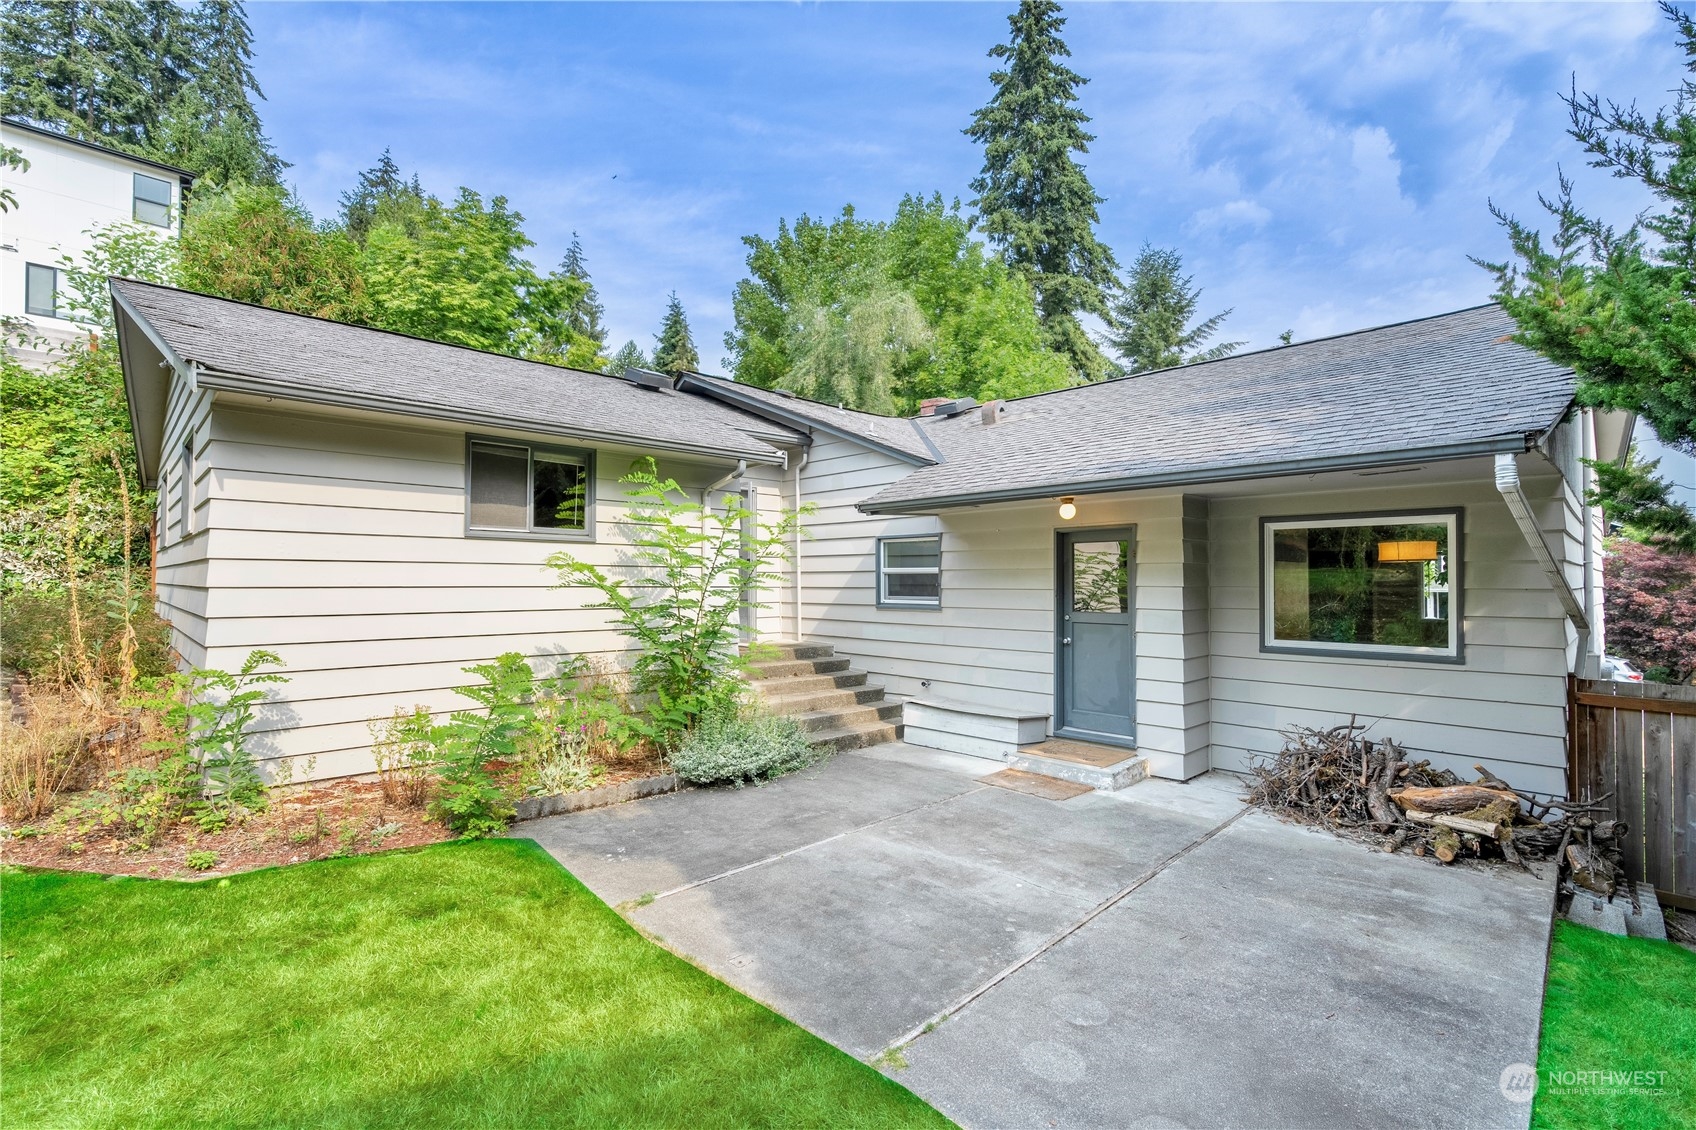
(835, 718)
(793, 649)
(810, 701)
(794, 668)
(1116, 775)
(854, 737)
(801, 684)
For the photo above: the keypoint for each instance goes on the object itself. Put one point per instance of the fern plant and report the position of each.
(471, 799)
(693, 568)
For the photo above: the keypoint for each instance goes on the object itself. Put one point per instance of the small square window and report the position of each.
(1380, 586)
(152, 200)
(518, 489)
(41, 290)
(909, 572)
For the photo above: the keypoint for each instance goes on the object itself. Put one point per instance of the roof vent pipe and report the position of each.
(1513, 493)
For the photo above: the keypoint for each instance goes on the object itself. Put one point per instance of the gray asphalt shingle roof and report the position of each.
(306, 358)
(882, 431)
(1449, 382)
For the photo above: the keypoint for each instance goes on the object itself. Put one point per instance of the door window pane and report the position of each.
(1377, 584)
(152, 200)
(500, 487)
(41, 290)
(1101, 576)
(560, 492)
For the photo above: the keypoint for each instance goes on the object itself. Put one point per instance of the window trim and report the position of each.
(533, 532)
(32, 311)
(919, 604)
(185, 490)
(136, 198)
(1455, 654)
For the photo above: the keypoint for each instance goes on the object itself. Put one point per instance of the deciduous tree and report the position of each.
(1649, 599)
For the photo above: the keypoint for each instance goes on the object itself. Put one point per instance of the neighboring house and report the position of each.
(70, 188)
(1386, 524)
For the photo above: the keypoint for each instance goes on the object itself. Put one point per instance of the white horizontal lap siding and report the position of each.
(1503, 706)
(180, 593)
(341, 546)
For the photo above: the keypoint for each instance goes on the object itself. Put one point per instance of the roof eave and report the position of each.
(258, 386)
(754, 405)
(1516, 442)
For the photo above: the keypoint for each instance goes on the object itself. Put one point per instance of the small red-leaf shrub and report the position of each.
(1650, 601)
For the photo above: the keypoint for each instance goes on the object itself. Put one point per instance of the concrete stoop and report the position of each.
(837, 707)
(1111, 777)
(1020, 741)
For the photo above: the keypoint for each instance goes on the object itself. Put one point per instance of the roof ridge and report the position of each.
(369, 329)
(787, 395)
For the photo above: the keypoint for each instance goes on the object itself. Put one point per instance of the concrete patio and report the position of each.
(1155, 957)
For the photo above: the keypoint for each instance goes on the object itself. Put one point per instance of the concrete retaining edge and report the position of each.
(535, 807)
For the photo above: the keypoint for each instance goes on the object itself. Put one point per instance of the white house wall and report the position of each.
(180, 561)
(341, 545)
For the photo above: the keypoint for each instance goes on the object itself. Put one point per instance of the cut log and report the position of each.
(1445, 845)
(1485, 828)
(1451, 798)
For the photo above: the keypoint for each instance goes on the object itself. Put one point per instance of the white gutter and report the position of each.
(795, 561)
(1513, 493)
(1592, 587)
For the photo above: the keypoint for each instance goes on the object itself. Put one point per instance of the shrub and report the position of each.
(400, 744)
(37, 636)
(730, 749)
(1649, 600)
(470, 799)
(47, 754)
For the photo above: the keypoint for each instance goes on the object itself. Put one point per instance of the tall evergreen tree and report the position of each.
(586, 313)
(383, 195)
(1035, 203)
(674, 347)
(629, 356)
(1149, 324)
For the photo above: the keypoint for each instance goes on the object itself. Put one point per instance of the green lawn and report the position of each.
(1619, 1004)
(468, 984)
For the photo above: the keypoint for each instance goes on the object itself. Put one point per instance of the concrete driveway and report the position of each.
(1156, 957)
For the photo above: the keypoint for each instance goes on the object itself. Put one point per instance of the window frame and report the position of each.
(1454, 654)
(185, 490)
(35, 312)
(136, 199)
(533, 532)
(884, 600)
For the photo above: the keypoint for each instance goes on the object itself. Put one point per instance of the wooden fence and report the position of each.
(1637, 741)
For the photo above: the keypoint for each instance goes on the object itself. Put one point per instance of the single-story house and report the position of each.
(1387, 524)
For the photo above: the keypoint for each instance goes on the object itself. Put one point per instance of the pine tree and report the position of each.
(383, 195)
(1034, 201)
(674, 347)
(585, 315)
(1149, 323)
(629, 356)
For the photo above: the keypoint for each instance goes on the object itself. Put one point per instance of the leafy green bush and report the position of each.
(201, 860)
(471, 799)
(731, 749)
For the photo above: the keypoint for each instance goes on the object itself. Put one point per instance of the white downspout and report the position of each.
(1507, 482)
(1592, 555)
(795, 559)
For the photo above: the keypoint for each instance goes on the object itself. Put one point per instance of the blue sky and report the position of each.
(1320, 167)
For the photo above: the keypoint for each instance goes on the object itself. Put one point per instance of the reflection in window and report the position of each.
(1352, 584)
(1101, 572)
(515, 488)
(910, 571)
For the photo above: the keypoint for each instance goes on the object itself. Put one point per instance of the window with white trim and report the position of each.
(527, 490)
(1373, 585)
(185, 490)
(41, 290)
(152, 201)
(909, 572)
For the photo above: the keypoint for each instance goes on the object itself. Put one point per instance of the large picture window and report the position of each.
(909, 572)
(521, 489)
(1375, 585)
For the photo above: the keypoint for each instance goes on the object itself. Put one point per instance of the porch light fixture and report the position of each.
(1068, 509)
(1407, 551)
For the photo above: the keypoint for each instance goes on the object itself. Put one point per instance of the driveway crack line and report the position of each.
(1101, 908)
(814, 844)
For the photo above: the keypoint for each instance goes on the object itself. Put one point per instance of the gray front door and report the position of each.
(1096, 697)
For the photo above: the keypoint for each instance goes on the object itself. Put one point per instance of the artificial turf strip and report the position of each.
(1616, 1004)
(472, 984)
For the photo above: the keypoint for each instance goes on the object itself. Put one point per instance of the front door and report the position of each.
(1096, 697)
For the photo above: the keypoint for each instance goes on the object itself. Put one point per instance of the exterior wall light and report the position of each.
(1068, 509)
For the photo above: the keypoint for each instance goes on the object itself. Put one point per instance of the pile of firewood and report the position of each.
(1343, 781)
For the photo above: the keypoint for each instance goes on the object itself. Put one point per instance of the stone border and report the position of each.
(535, 807)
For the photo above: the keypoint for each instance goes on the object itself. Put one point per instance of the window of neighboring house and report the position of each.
(185, 490)
(909, 572)
(152, 200)
(1377, 585)
(516, 488)
(41, 290)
